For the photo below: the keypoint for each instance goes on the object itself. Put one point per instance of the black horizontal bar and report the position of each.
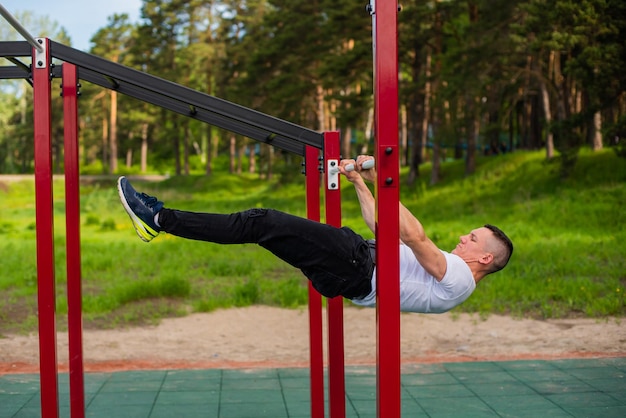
(183, 100)
(125, 77)
(203, 115)
(15, 49)
(7, 73)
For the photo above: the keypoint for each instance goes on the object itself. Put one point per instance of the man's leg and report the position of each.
(336, 260)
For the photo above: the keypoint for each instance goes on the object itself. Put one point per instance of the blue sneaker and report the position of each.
(141, 208)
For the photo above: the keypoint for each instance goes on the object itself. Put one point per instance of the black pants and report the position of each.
(336, 260)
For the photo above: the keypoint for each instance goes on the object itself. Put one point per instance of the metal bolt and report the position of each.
(388, 150)
(388, 181)
(40, 63)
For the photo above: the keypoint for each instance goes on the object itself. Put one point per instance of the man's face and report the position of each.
(472, 247)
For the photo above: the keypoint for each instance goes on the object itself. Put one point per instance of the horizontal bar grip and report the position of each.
(365, 166)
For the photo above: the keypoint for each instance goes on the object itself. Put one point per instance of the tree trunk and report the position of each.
(176, 146)
(547, 109)
(436, 169)
(596, 144)
(548, 115)
(252, 166)
(186, 147)
(369, 128)
(144, 148)
(113, 138)
(526, 110)
(232, 154)
(345, 139)
(208, 170)
(332, 120)
(105, 141)
(404, 136)
(321, 110)
(24, 140)
(428, 89)
(559, 82)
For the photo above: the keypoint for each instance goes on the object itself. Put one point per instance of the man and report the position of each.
(336, 260)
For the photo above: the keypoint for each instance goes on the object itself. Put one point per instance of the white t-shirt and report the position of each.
(421, 292)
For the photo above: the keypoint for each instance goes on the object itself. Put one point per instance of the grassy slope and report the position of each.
(570, 239)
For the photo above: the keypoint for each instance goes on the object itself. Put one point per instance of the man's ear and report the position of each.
(486, 259)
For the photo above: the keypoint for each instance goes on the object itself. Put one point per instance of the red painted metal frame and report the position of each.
(387, 208)
(336, 373)
(46, 294)
(72, 224)
(316, 340)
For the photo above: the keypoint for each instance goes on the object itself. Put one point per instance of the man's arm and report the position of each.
(368, 204)
(411, 230)
(413, 235)
(363, 193)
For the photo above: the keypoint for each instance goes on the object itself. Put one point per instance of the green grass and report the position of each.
(569, 236)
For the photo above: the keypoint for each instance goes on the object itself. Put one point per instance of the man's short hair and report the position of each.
(503, 250)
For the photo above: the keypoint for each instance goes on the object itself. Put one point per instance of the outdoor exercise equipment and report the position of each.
(367, 165)
(332, 180)
(77, 65)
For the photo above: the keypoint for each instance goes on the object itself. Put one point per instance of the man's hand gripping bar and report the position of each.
(350, 167)
(365, 166)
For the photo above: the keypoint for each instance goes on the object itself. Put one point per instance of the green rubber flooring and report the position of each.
(558, 388)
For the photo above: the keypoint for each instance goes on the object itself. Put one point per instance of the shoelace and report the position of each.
(149, 201)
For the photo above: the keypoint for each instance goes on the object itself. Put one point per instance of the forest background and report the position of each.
(508, 110)
(476, 77)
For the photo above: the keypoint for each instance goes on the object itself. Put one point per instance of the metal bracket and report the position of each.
(41, 57)
(332, 174)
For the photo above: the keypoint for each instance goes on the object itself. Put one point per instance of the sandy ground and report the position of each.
(271, 337)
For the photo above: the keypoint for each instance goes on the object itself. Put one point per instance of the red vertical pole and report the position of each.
(72, 225)
(46, 295)
(337, 387)
(316, 340)
(387, 208)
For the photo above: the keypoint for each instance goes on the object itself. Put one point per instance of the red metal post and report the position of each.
(336, 373)
(316, 340)
(72, 225)
(46, 295)
(387, 208)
